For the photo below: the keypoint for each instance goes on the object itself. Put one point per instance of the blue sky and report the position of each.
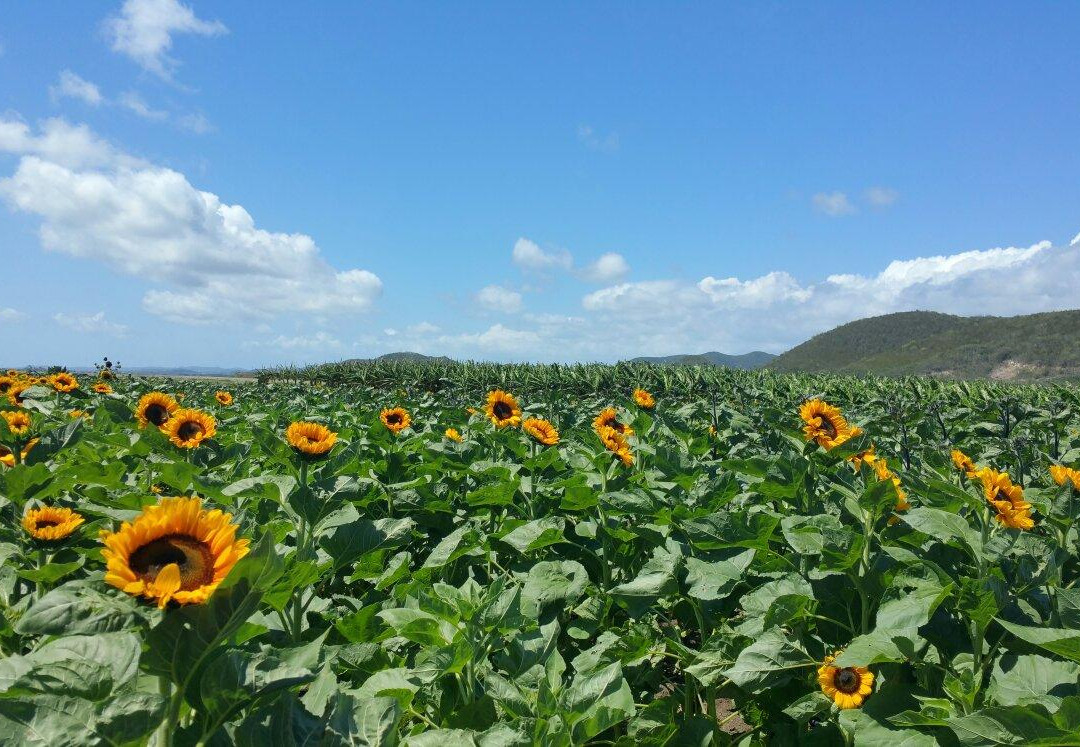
(202, 184)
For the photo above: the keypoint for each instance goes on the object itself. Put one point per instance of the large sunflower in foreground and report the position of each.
(644, 400)
(223, 398)
(311, 440)
(156, 408)
(8, 459)
(847, 686)
(18, 421)
(51, 523)
(502, 409)
(174, 551)
(608, 418)
(396, 419)
(1007, 499)
(189, 428)
(825, 424)
(64, 382)
(541, 431)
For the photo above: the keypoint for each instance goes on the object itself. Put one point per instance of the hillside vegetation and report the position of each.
(746, 361)
(1035, 346)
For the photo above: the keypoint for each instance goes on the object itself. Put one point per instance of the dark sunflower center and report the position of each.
(502, 410)
(189, 430)
(393, 418)
(157, 414)
(193, 557)
(4, 386)
(42, 523)
(846, 680)
(828, 426)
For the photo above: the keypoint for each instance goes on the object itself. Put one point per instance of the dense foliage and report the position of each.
(391, 581)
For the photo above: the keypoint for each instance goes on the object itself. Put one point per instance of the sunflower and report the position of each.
(453, 435)
(173, 551)
(847, 686)
(964, 463)
(608, 418)
(712, 430)
(64, 382)
(156, 408)
(7, 381)
(881, 469)
(867, 456)
(310, 440)
(14, 392)
(502, 409)
(396, 419)
(541, 430)
(223, 398)
(1007, 499)
(18, 421)
(51, 523)
(826, 424)
(471, 410)
(80, 414)
(102, 388)
(188, 428)
(616, 443)
(644, 400)
(1062, 474)
(8, 459)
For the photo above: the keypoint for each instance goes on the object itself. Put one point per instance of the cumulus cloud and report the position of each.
(62, 143)
(497, 338)
(90, 323)
(529, 256)
(319, 341)
(72, 86)
(609, 268)
(881, 196)
(144, 32)
(754, 294)
(9, 314)
(151, 223)
(593, 140)
(833, 204)
(135, 103)
(497, 298)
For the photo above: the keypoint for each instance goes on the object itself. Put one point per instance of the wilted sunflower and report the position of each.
(51, 523)
(174, 551)
(847, 686)
(396, 419)
(64, 382)
(453, 435)
(223, 398)
(188, 428)
(644, 400)
(102, 388)
(156, 408)
(18, 421)
(502, 409)
(608, 418)
(616, 443)
(1062, 474)
(825, 424)
(541, 430)
(964, 463)
(310, 440)
(8, 459)
(1007, 499)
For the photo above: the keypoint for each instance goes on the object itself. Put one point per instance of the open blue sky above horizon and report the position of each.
(553, 182)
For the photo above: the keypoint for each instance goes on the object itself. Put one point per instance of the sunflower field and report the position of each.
(473, 554)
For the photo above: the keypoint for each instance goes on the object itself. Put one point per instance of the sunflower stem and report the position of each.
(165, 730)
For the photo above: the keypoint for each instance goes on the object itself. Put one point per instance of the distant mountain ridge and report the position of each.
(1033, 346)
(403, 356)
(746, 361)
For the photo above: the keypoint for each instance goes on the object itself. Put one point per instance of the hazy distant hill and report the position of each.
(404, 356)
(747, 361)
(923, 342)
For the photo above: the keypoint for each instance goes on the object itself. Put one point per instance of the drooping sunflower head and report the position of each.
(644, 400)
(51, 523)
(64, 382)
(102, 388)
(615, 442)
(187, 429)
(7, 458)
(541, 431)
(609, 418)
(223, 398)
(825, 424)
(964, 463)
(18, 421)
(1007, 499)
(502, 409)
(848, 687)
(396, 419)
(452, 434)
(310, 440)
(175, 550)
(882, 471)
(155, 408)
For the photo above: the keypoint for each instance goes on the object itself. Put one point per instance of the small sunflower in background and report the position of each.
(15, 392)
(964, 463)
(51, 523)
(223, 398)
(187, 429)
(825, 424)
(75, 414)
(102, 388)
(1007, 499)
(609, 418)
(396, 419)
(175, 550)
(18, 422)
(847, 686)
(7, 458)
(471, 410)
(502, 409)
(64, 382)
(310, 440)
(541, 431)
(1061, 474)
(156, 408)
(7, 381)
(643, 399)
(616, 443)
(452, 434)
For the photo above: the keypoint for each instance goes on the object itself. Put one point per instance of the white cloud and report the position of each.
(144, 32)
(496, 338)
(151, 223)
(609, 268)
(497, 298)
(196, 122)
(529, 256)
(608, 143)
(390, 332)
(9, 315)
(90, 323)
(881, 196)
(72, 86)
(755, 294)
(57, 141)
(833, 204)
(133, 102)
(421, 329)
(319, 341)
(1075, 241)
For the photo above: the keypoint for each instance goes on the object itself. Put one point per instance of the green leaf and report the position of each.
(550, 582)
(596, 701)
(1019, 680)
(80, 607)
(536, 534)
(709, 581)
(732, 529)
(878, 646)
(770, 661)
(1020, 725)
(350, 541)
(358, 720)
(1055, 640)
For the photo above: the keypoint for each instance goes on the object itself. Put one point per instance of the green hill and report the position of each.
(1035, 346)
(747, 361)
